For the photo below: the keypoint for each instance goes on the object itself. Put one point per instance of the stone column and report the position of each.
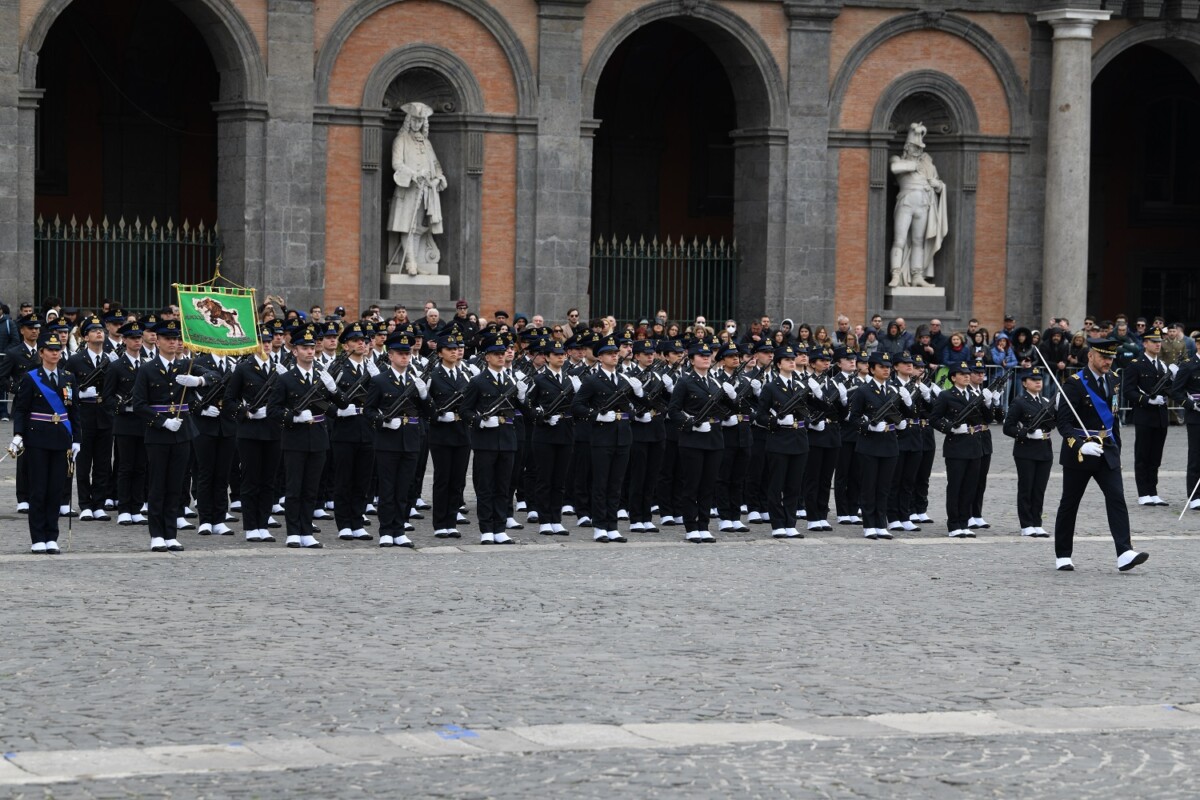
(288, 266)
(808, 273)
(240, 164)
(558, 277)
(13, 159)
(1068, 161)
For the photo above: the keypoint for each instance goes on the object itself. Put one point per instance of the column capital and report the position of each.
(562, 9)
(1073, 23)
(811, 14)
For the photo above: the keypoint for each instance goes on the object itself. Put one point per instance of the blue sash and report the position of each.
(1102, 408)
(56, 403)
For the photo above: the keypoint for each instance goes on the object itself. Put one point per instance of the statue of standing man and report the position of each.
(920, 217)
(416, 213)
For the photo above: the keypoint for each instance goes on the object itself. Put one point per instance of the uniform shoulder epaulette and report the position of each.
(1075, 376)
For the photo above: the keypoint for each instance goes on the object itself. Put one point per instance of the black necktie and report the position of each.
(53, 382)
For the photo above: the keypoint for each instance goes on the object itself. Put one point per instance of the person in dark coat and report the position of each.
(1030, 419)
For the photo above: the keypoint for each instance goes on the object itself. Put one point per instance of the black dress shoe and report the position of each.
(416, 515)
(407, 544)
(455, 535)
(313, 546)
(1140, 558)
(267, 538)
(970, 535)
(618, 539)
(422, 506)
(442, 535)
(293, 544)
(650, 528)
(176, 548)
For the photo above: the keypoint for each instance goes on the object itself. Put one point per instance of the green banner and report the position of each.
(217, 319)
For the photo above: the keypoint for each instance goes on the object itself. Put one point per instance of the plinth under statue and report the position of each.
(416, 210)
(920, 218)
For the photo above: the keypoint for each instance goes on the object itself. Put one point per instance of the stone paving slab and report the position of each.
(710, 733)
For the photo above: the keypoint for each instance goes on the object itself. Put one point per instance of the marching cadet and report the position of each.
(19, 359)
(488, 405)
(698, 404)
(352, 439)
(961, 415)
(149, 348)
(845, 487)
(45, 435)
(1029, 421)
(649, 436)
(553, 438)
(1092, 452)
(994, 413)
(129, 431)
(448, 442)
(1144, 385)
(880, 411)
(215, 445)
(781, 412)
(910, 442)
(113, 322)
(327, 356)
(929, 392)
(824, 440)
(299, 401)
(258, 436)
(93, 465)
(756, 475)
(516, 488)
(603, 400)
(580, 487)
(396, 400)
(1185, 391)
(160, 400)
(738, 440)
(670, 503)
(422, 366)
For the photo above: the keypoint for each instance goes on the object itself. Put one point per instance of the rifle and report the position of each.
(567, 394)
(508, 391)
(401, 400)
(261, 397)
(712, 400)
(97, 373)
(214, 391)
(977, 401)
(1040, 419)
(797, 402)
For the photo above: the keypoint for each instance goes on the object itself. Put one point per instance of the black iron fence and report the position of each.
(631, 280)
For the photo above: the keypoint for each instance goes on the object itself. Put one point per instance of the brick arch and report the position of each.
(956, 98)
(517, 63)
(971, 40)
(751, 67)
(418, 55)
(229, 38)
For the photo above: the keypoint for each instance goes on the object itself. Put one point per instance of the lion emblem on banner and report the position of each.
(218, 316)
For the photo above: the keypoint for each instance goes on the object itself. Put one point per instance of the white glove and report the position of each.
(669, 383)
(575, 382)
(729, 422)
(554, 420)
(925, 392)
(89, 393)
(841, 390)
(756, 386)
(446, 417)
(191, 381)
(423, 387)
(729, 390)
(258, 413)
(988, 395)
(349, 411)
(372, 367)
(906, 396)
(703, 427)
(646, 417)
(1173, 368)
(815, 387)
(303, 417)
(173, 424)
(878, 427)
(17, 443)
(328, 380)
(1036, 433)
(902, 424)
(933, 387)
(281, 369)
(490, 422)
(521, 390)
(74, 449)
(817, 426)
(996, 397)
(1157, 400)
(474, 370)
(392, 424)
(210, 411)
(607, 416)
(959, 429)
(787, 421)
(1092, 449)
(112, 356)
(636, 384)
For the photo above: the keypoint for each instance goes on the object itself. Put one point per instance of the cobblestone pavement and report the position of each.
(115, 647)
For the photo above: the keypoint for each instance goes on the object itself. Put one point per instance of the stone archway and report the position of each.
(240, 117)
(756, 138)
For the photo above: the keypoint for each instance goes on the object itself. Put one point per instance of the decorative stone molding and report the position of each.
(1073, 23)
(428, 56)
(1163, 31)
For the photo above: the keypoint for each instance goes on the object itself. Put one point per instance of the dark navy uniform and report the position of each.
(1032, 452)
(783, 414)
(19, 359)
(215, 445)
(352, 443)
(738, 440)
(880, 413)
(50, 432)
(553, 443)
(604, 401)
(93, 466)
(449, 446)
(258, 438)
(395, 405)
(1145, 384)
(649, 439)
(960, 414)
(129, 431)
(1093, 397)
(824, 445)
(845, 476)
